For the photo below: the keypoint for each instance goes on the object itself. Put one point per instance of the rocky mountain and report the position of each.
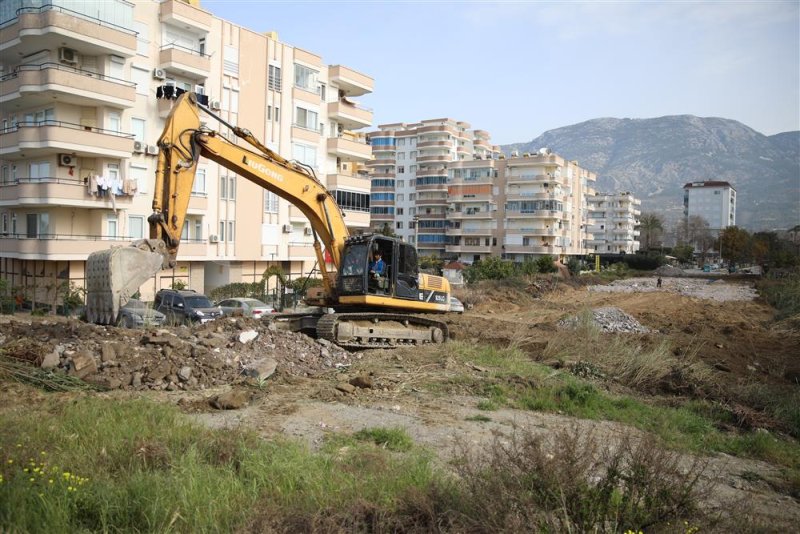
(654, 158)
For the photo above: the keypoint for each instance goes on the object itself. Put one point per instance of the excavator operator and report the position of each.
(377, 268)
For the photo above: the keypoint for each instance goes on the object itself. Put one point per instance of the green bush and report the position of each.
(545, 264)
(491, 268)
(783, 294)
(644, 262)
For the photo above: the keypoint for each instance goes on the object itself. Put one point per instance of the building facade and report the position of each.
(410, 177)
(79, 121)
(714, 201)
(518, 208)
(612, 222)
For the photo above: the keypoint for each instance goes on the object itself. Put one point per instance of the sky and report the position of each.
(519, 68)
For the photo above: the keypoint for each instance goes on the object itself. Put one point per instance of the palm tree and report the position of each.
(651, 226)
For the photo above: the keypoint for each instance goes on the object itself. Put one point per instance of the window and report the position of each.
(305, 118)
(231, 228)
(399, 211)
(114, 122)
(401, 169)
(274, 82)
(270, 202)
(137, 129)
(306, 78)
(112, 226)
(39, 170)
(198, 229)
(304, 154)
(399, 225)
(227, 187)
(353, 201)
(38, 224)
(116, 67)
(5, 223)
(112, 173)
(221, 234)
(141, 78)
(401, 197)
(277, 114)
(40, 117)
(140, 175)
(412, 168)
(135, 227)
(199, 185)
(401, 183)
(223, 189)
(230, 60)
(401, 142)
(413, 154)
(269, 113)
(185, 230)
(142, 42)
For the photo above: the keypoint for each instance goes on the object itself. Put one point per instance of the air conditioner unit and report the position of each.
(67, 160)
(213, 238)
(307, 231)
(138, 146)
(159, 74)
(215, 105)
(67, 55)
(287, 228)
(152, 150)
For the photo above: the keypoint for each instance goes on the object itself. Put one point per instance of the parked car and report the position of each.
(456, 306)
(136, 314)
(245, 307)
(186, 306)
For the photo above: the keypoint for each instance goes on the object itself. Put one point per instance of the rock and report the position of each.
(232, 400)
(247, 337)
(107, 353)
(722, 367)
(260, 369)
(106, 382)
(51, 360)
(136, 380)
(362, 381)
(159, 372)
(345, 387)
(83, 364)
(185, 373)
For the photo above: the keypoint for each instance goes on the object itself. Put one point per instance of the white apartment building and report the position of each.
(517, 208)
(78, 87)
(410, 172)
(612, 221)
(714, 201)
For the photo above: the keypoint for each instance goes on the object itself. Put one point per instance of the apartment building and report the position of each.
(410, 173)
(612, 221)
(517, 207)
(714, 201)
(80, 117)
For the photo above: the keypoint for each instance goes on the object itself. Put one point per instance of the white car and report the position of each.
(456, 306)
(245, 307)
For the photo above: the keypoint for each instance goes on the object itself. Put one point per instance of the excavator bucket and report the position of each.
(112, 276)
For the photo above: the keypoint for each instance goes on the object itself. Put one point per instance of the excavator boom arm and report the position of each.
(184, 140)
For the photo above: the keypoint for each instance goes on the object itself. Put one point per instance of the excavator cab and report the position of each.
(374, 264)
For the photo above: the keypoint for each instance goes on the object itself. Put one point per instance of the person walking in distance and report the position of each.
(658, 282)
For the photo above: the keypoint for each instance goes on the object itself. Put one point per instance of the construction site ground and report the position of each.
(310, 394)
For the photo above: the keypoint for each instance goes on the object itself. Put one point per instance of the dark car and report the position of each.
(186, 306)
(136, 314)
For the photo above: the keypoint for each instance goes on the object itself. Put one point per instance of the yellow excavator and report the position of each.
(385, 306)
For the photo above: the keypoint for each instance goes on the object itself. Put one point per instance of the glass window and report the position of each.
(38, 224)
(306, 78)
(223, 189)
(111, 225)
(306, 118)
(305, 154)
(135, 227)
(140, 175)
(185, 231)
(141, 78)
(137, 129)
(199, 184)
(274, 82)
(39, 170)
(198, 230)
(270, 202)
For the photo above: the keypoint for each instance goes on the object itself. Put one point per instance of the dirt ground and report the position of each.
(306, 402)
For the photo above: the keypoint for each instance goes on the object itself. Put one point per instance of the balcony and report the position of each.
(538, 214)
(356, 219)
(184, 15)
(439, 158)
(382, 162)
(539, 195)
(538, 178)
(56, 247)
(469, 249)
(437, 128)
(423, 173)
(487, 231)
(50, 137)
(350, 115)
(531, 249)
(431, 187)
(535, 231)
(50, 27)
(422, 145)
(57, 192)
(471, 215)
(184, 62)
(382, 216)
(345, 181)
(353, 83)
(350, 148)
(39, 85)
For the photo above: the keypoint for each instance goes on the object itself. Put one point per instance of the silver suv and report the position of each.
(186, 306)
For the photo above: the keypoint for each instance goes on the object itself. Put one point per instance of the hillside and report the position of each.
(653, 158)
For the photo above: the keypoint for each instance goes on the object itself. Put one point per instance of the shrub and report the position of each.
(644, 262)
(545, 264)
(491, 268)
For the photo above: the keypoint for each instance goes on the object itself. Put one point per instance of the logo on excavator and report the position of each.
(263, 169)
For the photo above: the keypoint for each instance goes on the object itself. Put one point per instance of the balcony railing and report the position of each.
(50, 191)
(51, 136)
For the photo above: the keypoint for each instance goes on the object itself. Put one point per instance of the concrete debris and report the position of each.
(710, 289)
(608, 320)
(232, 400)
(363, 382)
(185, 358)
(344, 387)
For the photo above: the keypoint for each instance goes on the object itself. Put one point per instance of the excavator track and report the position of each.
(380, 330)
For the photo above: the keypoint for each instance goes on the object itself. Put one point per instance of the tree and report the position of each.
(735, 244)
(683, 252)
(651, 227)
(695, 231)
(387, 230)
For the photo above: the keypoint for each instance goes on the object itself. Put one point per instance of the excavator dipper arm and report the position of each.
(113, 274)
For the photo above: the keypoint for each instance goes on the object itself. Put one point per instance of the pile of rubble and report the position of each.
(704, 288)
(180, 358)
(670, 270)
(608, 320)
